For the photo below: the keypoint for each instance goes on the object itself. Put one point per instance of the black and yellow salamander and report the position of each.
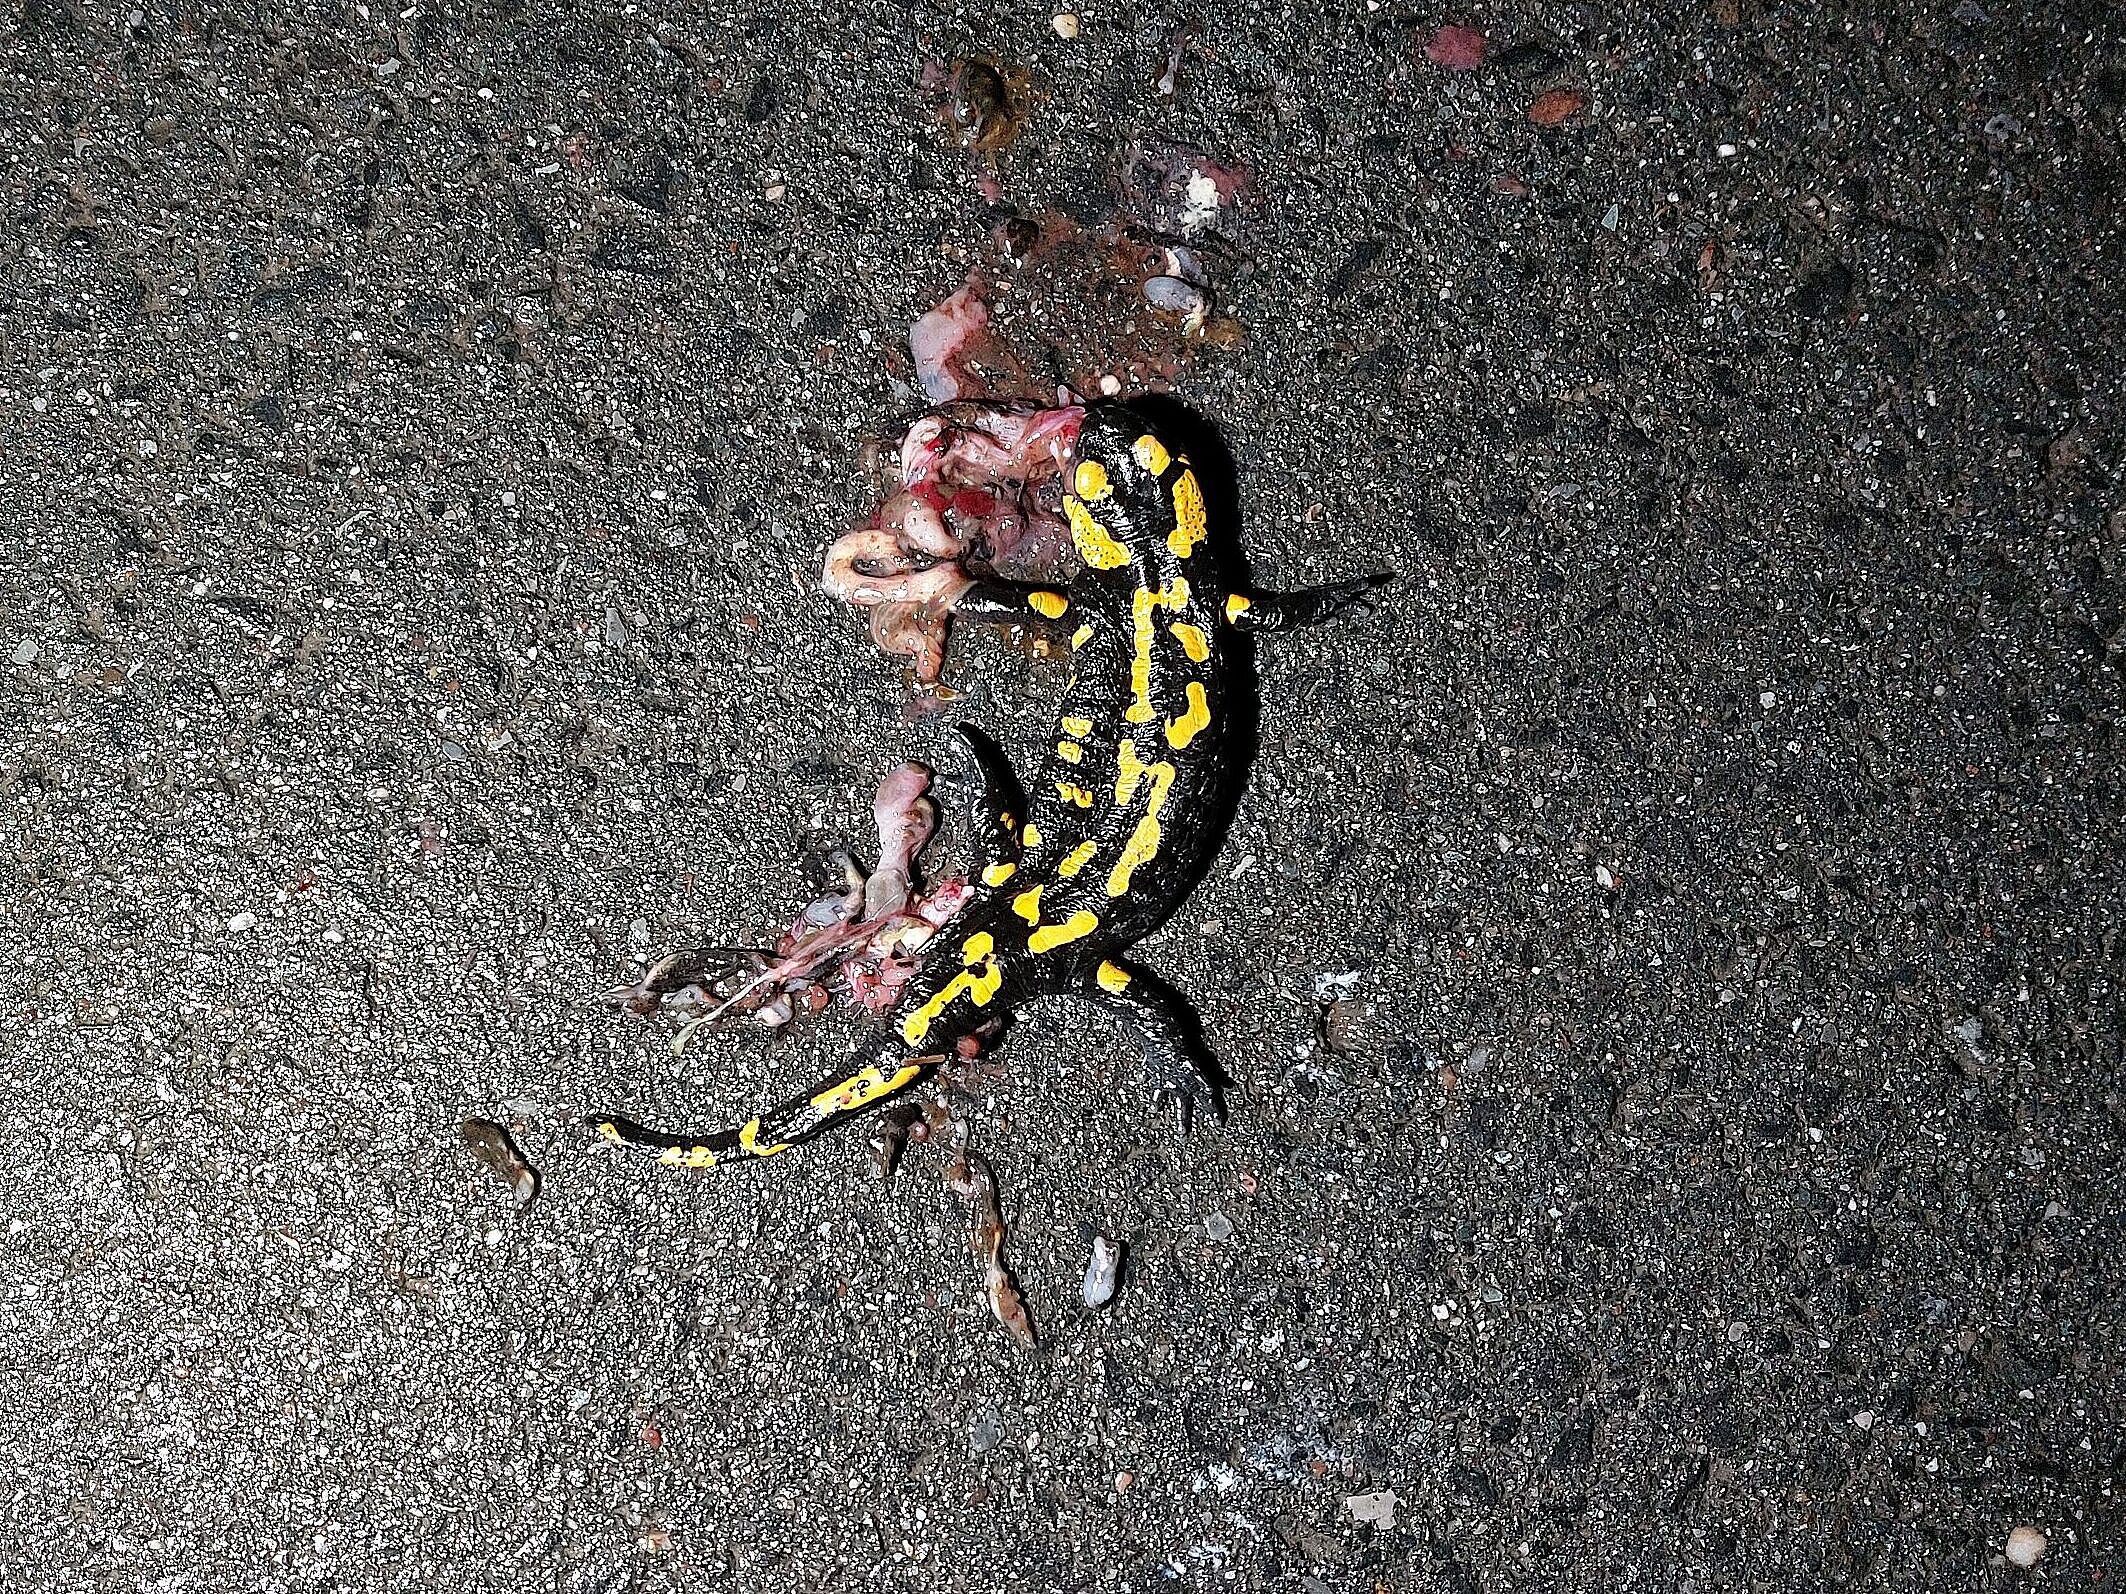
(1134, 800)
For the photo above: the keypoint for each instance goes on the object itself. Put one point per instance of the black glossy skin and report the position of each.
(1127, 812)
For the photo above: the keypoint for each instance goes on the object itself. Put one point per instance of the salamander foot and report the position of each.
(1181, 1067)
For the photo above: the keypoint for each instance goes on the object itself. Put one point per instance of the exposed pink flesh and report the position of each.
(941, 337)
(915, 632)
(870, 566)
(905, 818)
(970, 478)
(918, 524)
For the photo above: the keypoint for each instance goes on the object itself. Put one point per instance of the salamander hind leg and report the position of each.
(871, 1078)
(1286, 611)
(1180, 1064)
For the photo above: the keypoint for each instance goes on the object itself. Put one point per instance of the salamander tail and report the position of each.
(868, 1081)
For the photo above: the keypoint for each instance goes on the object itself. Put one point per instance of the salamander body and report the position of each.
(1133, 800)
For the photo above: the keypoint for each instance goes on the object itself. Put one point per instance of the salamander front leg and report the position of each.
(1009, 602)
(1180, 1064)
(1284, 611)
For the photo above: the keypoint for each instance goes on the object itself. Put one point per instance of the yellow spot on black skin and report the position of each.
(1112, 978)
(1193, 642)
(1151, 454)
(1236, 606)
(1030, 836)
(1073, 725)
(1191, 523)
(1027, 905)
(1096, 545)
(609, 1132)
(749, 1140)
(1070, 792)
(1089, 480)
(998, 873)
(1180, 732)
(1144, 841)
(1052, 604)
(690, 1157)
(1080, 637)
(1077, 858)
(1050, 936)
(867, 1084)
(981, 979)
(1069, 752)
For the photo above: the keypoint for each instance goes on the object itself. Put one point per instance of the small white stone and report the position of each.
(1065, 23)
(242, 922)
(1375, 1510)
(1863, 1420)
(1102, 1271)
(26, 650)
(2026, 1546)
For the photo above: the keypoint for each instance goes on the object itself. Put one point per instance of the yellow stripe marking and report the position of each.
(749, 1141)
(1151, 454)
(1236, 606)
(866, 1085)
(1073, 725)
(1143, 603)
(1069, 752)
(690, 1157)
(1112, 978)
(1027, 905)
(1052, 604)
(1096, 545)
(981, 979)
(1191, 524)
(997, 873)
(1071, 793)
(1077, 858)
(1180, 732)
(1144, 841)
(1089, 480)
(1051, 936)
(1193, 642)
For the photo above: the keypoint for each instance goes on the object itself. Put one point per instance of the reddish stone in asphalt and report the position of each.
(1457, 48)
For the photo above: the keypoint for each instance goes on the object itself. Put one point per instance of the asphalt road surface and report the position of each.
(1669, 956)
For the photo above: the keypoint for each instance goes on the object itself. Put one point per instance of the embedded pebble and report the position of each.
(1102, 1272)
(1177, 297)
(2026, 1546)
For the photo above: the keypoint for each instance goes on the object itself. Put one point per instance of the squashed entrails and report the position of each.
(1146, 765)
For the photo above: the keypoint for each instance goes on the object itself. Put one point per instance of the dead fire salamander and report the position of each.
(1129, 809)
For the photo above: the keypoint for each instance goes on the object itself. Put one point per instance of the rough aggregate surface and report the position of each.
(1670, 957)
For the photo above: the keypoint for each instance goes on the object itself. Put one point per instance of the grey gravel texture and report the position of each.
(421, 428)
